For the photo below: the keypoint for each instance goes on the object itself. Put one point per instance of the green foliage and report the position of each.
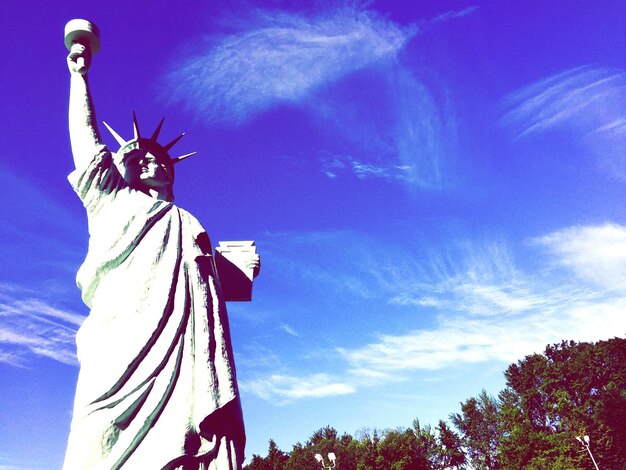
(321, 442)
(275, 459)
(479, 423)
(448, 453)
(573, 389)
(398, 449)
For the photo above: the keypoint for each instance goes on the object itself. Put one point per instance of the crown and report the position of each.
(150, 144)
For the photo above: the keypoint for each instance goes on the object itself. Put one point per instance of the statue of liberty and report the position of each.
(157, 386)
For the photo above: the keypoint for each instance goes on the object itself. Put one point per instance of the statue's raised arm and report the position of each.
(82, 39)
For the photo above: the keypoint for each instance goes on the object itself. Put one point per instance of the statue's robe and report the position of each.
(157, 386)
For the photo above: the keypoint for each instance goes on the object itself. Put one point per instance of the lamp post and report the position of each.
(331, 457)
(585, 443)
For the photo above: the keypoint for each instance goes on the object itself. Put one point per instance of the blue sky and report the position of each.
(436, 189)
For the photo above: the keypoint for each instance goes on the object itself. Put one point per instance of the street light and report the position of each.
(331, 457)
(585, 443)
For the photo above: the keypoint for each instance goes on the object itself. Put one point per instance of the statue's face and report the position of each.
(143, 170)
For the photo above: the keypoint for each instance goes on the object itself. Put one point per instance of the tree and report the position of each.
(322, 442)
(400, 450)
(479, 426)
(573, 389)
(448, 453)
(275, 459)
(366, 449)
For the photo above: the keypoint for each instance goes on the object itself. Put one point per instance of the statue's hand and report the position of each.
(79, 59)
(254, 262)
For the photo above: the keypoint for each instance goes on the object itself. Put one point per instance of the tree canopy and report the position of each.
(571, 390)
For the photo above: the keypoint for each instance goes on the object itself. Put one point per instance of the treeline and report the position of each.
(572, 390)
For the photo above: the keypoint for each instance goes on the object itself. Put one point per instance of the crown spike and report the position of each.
(173, 142)
(182, 157)
(119, 139)
(136, 126)
(155, 135)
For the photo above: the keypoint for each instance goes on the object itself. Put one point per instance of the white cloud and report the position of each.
(565, 96)
(585, 100)
(512, 313)
(389, 171)
(425, 134)
(288, 329)
(594, 253)
(459, 339)
(333, 166)
(279, 58)
(37, 233)
(286, 388)
(256, 356)
(481, 307)
(9, 463)
(410, 138)
(454, 14)
(617, 126)
(312, 257)
(476, 298)
(476, 278)
(32, 327)
(366, 170)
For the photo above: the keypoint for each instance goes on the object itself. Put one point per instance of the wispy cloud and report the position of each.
(480, 279)
(482, 305)
(286, 388)
(31, 327)
(312, 257)
(411, 138)
(425, 133)
(337, 165)
(256, 356)
(512, 313)
(502, 337)
(419, 145)
(367, 170)
(289, 330)
(332, 166)
(594, 253)
(277, 58)
(38, 234)
(9, 463)
(454, 14)
(311, 61)
(585, 99)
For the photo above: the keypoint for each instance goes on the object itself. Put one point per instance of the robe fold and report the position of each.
(157, 387)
